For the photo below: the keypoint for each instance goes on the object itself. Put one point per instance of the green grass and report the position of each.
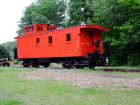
(10, 101)
(125, 67)
(15, 90)
(100, 71)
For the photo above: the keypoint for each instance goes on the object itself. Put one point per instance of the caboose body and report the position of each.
(78, 46)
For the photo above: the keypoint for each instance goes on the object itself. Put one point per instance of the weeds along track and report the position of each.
(122, 70)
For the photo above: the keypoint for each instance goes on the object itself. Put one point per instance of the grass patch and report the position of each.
(125, 67)
(100, 71)
(15, 90)
(10, 101)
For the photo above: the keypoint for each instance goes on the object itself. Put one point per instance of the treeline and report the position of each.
(7, 50)
(122, 17)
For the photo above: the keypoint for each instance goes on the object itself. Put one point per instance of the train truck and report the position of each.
(4, 62)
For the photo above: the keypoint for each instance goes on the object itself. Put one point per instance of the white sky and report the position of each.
(10, 13)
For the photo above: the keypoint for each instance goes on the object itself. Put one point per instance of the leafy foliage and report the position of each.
(9, 47)
(4, 53)
(44, 11)
(129, 32)
(80, 12)
(125, 35)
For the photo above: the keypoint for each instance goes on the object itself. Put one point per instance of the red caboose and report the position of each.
(77, 46)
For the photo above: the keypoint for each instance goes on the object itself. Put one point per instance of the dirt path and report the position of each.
(85, 79)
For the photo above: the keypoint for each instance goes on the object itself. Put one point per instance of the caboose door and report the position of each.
(91, 38)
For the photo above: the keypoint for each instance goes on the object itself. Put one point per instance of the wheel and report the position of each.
(92, 67)
(68, 65)
(3, 65)
(35, 64)
(25, 64)
(8, 65)
(46, 65)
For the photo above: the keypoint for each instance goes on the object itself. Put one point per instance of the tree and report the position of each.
(129, 31)
(44, 11)
(61, 13)
(4, 53)
(9, 46)
(80, 12)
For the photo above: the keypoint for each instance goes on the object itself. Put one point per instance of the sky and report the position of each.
(10, 13)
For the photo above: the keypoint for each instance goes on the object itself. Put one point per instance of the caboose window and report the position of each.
(68, 37)
(50, 39)
(32, 28)
(29, 29)
(37, 41)
(39, 28)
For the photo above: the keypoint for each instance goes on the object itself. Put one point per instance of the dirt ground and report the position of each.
(85, 79)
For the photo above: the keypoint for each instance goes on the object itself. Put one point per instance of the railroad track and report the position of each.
(121, 70)
(97, 68)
